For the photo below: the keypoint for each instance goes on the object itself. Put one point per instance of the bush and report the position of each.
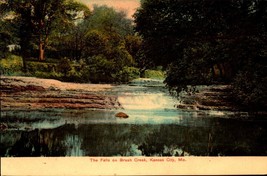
(48, 75)
(156, 74)
(64, 66)
(11, 65)
(99, 69)
(127, 74)
(33, 66)
(74, 76)
(250, 88)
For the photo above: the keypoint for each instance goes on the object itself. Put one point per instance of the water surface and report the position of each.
(154, 128)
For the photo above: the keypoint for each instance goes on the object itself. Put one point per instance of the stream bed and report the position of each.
(155, 127)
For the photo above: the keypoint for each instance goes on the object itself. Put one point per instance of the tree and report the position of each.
(96, 43)
(67, 39)
(38, 18)
(80, 41)
(105, 49)
(108, 20)
(203, 42)
(6, 38)
(7, 29)
(135, 46)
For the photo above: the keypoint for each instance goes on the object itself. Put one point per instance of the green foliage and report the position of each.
(133, 44)
(5, 38)
(96, 43)
(100, 69)
(75, 76)
(48, 75)
(250, 87)
(127, 74)
(34, 66)
(38, 19)
(64, 66)
(106, 52)
(108, 20)
(7, 30)
(11, 65)
(121, 57)
(63, 70)
(155, 74)
(96, 47)
(206, 42)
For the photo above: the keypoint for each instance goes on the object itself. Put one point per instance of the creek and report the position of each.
(155, 127)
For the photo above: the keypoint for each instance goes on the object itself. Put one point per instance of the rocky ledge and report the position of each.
(35, 93)
(215, 97)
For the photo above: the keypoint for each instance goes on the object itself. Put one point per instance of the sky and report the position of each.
(129, 6)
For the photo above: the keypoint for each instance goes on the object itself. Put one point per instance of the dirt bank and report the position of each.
(35, 93)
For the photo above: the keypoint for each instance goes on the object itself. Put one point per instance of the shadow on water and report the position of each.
(222, 137)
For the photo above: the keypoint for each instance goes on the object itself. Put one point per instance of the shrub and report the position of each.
(74, 76)
(250, 88)
(33, 66)
(11, 65)
(99, 69)
(48, 75)
(156, 74)
(126, 74)
(64, 66)
(63, 70)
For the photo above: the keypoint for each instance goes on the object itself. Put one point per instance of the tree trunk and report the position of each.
(24, 54)
(24, 69)
(41, 51)
(221, 69)
(213, 73)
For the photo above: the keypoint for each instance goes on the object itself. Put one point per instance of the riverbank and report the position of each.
(214, 97)
(217, 100)
(36, 93)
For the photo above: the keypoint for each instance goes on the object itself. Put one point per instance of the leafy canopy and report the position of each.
(206, 41)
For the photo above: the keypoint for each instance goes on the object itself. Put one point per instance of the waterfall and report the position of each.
(146, 94)
(146, 101)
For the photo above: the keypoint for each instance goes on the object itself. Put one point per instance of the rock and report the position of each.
(121, 115)
(51, 88)
(187, 106)
(34, 93)
(34, 88)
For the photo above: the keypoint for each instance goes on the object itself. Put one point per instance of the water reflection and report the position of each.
(154, 128)
(219, 137)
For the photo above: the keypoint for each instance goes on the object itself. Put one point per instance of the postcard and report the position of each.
(131, 87)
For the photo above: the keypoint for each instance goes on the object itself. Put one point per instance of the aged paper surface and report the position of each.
(133, 166)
